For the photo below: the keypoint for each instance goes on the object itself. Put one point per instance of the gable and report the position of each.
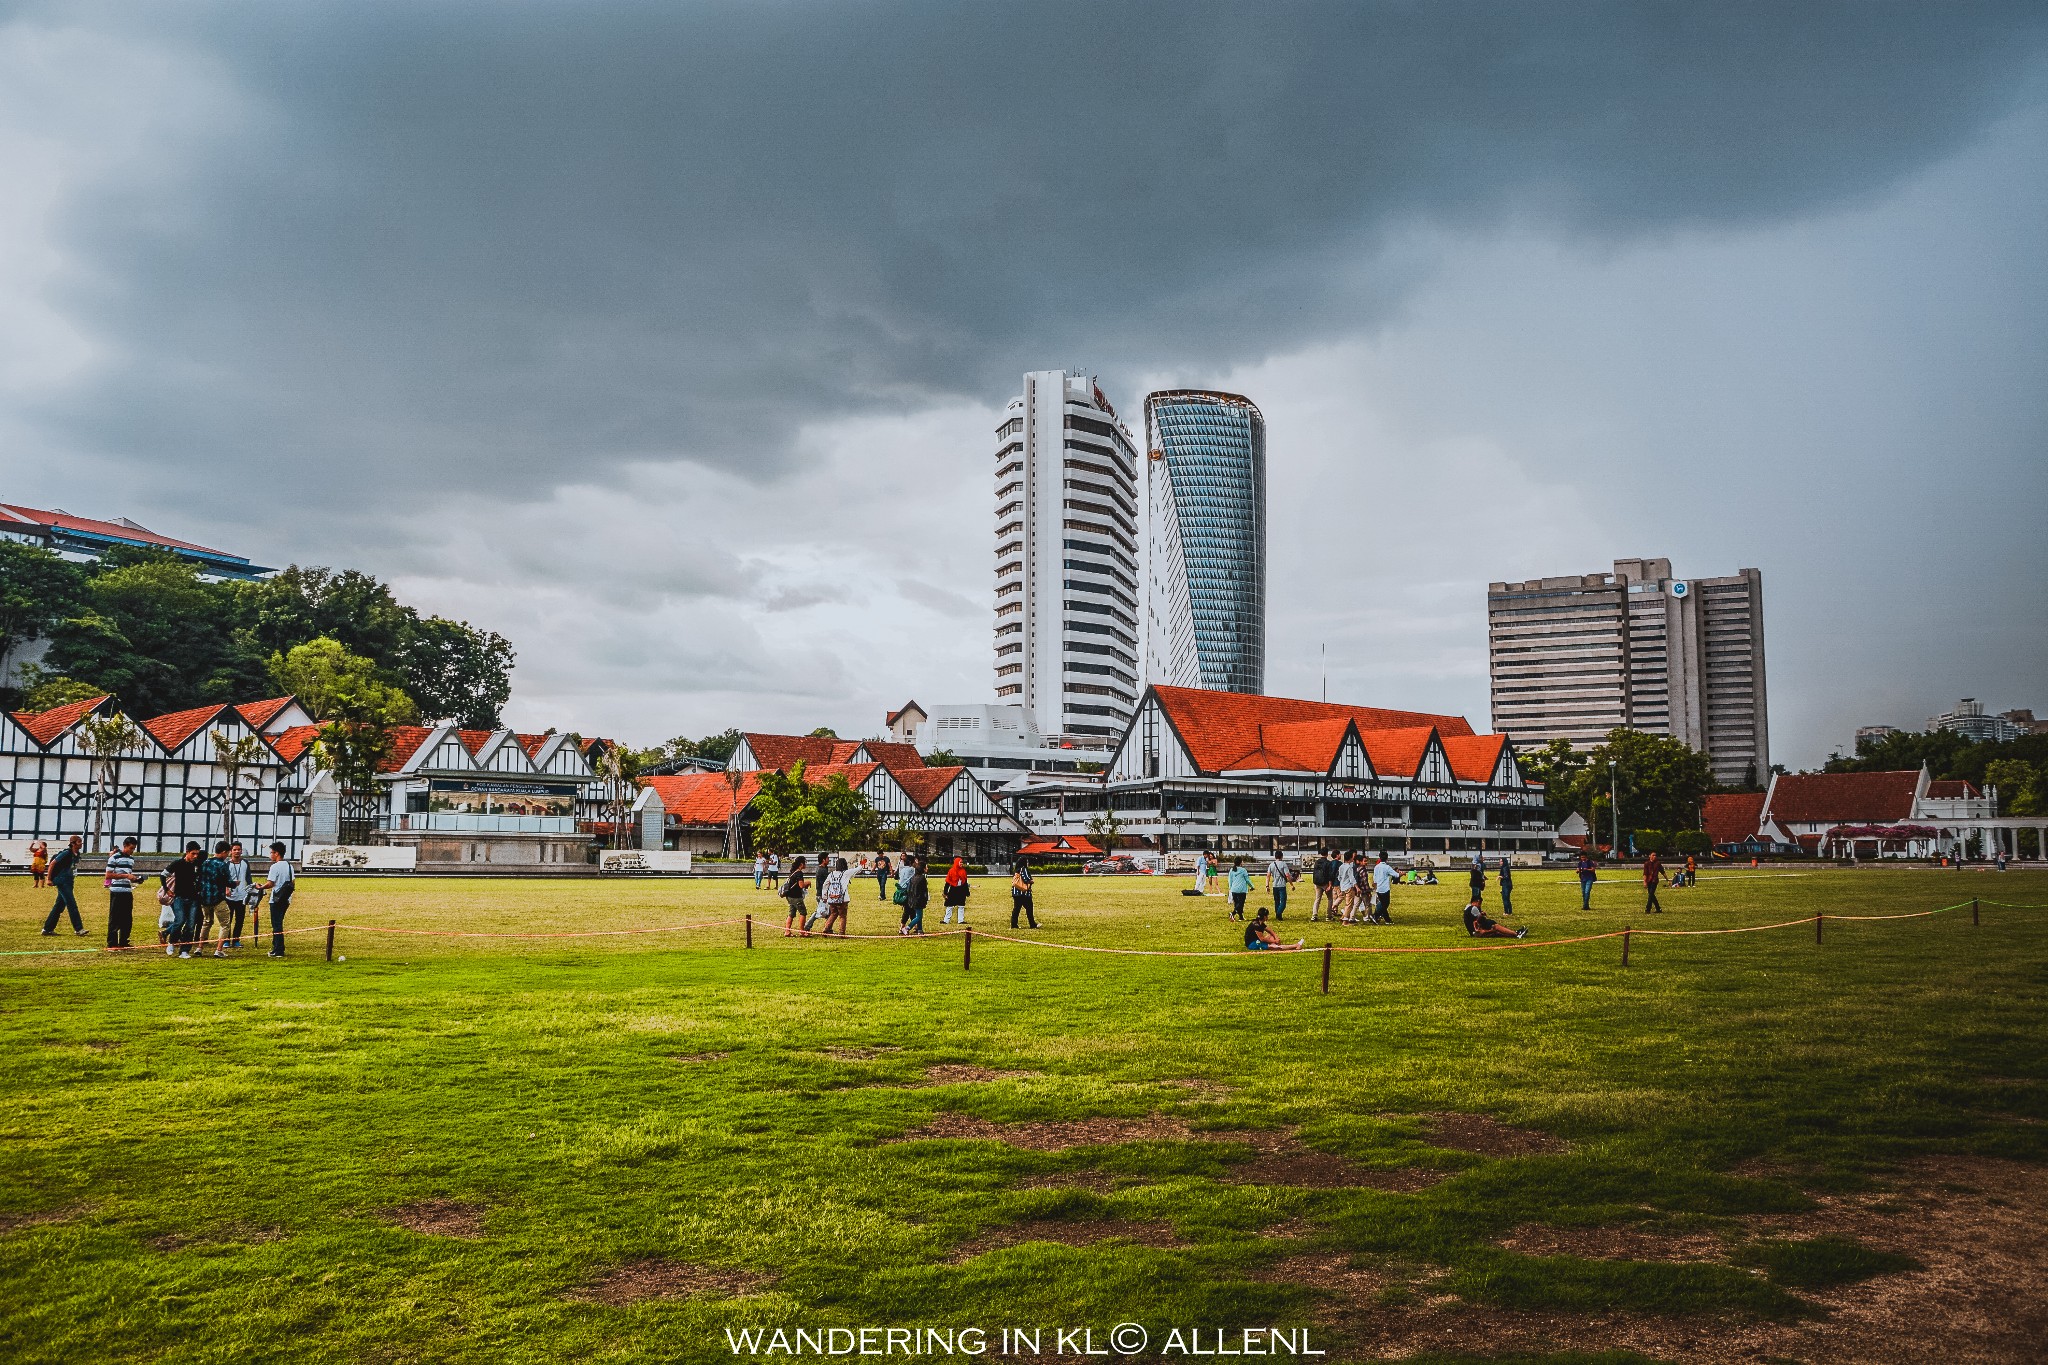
(1436, 765)
(1351, 763)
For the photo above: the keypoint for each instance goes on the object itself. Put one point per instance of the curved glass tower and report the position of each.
(1206, 544)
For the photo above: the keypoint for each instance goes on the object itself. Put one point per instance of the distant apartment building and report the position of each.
(1572, 658)
(1066, 565)
(1205, 579)
(1970, 720)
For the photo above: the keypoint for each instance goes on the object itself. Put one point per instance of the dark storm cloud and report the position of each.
(506, 243)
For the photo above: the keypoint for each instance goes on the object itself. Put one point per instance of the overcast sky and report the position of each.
(667, 339)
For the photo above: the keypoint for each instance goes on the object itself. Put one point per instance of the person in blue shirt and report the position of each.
(1240, 888)
(64, 876)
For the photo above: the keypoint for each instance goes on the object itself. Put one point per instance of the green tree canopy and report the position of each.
(794, 816)
(333, 684)
(38, 588)
(1661, 779)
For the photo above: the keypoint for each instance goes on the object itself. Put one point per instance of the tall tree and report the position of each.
(331, 683)
(455, 671)
(37, 589)
(105, 739)
(234, 758)
(157, 635)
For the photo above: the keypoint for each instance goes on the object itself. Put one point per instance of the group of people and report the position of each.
(202, 902)
(1653, 877)
(833, 881)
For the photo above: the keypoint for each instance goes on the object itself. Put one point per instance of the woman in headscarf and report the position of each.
(955, 896)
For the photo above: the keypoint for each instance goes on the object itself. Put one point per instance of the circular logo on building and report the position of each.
(1679, 589)
(1158, 454)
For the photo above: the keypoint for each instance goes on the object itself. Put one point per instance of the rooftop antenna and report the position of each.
(1326, 670)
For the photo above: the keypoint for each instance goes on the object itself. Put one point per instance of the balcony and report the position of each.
(443, 822)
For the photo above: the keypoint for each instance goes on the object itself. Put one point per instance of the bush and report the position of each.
(1651, 840)
(1692, 841)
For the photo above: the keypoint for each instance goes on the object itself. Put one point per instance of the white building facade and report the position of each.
(1066, 565)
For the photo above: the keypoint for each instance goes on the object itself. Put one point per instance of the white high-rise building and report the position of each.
(1066, 599)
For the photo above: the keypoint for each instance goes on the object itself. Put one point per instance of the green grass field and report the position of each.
(616, 1148)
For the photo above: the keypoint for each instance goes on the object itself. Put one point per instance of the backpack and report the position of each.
(902, 896)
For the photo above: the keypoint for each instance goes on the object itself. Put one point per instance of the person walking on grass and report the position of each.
(64, 876)
(1346, 902)
(280, 883)
(917, 893)
(824, 866)
(833, 905)
(1587, 874)
(213, 899)
(760, 869)
(1279, 873)
(793, 895)
(181, 884)
(880, 867)
(774, 872)
(119, 880)
(1323, 877)
(1020, 893)
(1383, 879)
(240, 883)
(1653, 871)
(1507, 885)
(1240, 888)
(954, 897)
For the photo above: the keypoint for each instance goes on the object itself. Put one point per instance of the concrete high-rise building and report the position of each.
(1205, 544)
(1572, 658)
(1066, 628)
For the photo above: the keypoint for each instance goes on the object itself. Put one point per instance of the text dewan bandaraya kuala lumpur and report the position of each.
(1124, 1339)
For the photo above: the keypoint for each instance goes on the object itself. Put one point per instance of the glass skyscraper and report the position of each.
(1206, 541)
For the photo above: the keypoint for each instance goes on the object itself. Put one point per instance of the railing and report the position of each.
(441, 822)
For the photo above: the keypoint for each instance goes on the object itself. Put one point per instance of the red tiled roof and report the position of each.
(1844, 798)
(1222, 728)
(1473, 757)
(1732, 817)
(1063, 843)
(119, 531)
(1396, 753)
(893, 755)
(474, 740)
(926, 785)
(405, 742)
(292, 744)
(45, 726)
(260, 713)
(1952, 788)
(854, 773)
(703, 798)
(173, 730)
(1294, 745)
(783, 752)
(532, 743)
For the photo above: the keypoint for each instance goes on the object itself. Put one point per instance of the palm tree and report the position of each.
(105, 739)
(733, 778)
(231, 756)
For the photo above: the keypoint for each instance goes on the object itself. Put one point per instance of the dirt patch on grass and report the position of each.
(168, 1241)
(1074, 1234)
(1488, 1136)
(1306, 1169)
(697, 1056)
(1288, 1229)
(1056, 1136)
(1976, 1301)
(15, 1222)
(1615, 1243)
(228, 1234)
(1348, 1284)
(654, 1277)
(102, 1044)
(858, 1054)
(959, 1074)
(439, 1218)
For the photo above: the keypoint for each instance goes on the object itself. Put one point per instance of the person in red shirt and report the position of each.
(1652, 871)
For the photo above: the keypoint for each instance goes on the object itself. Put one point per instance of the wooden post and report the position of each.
(967, 950)
(1973, 911)
(750, 931)
(1326, 969)
(1816, 926)
(330, 940)
(1624, 945)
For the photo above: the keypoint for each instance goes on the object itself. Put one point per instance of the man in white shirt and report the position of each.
(1347, 886)
(280, 884)
(1278, 875)
(1383, 879)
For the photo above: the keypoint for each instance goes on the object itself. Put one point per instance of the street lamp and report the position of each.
(1614, 806)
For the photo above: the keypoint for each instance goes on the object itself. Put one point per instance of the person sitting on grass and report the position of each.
(1477, 925)
(1259, 936)
(793, 894)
